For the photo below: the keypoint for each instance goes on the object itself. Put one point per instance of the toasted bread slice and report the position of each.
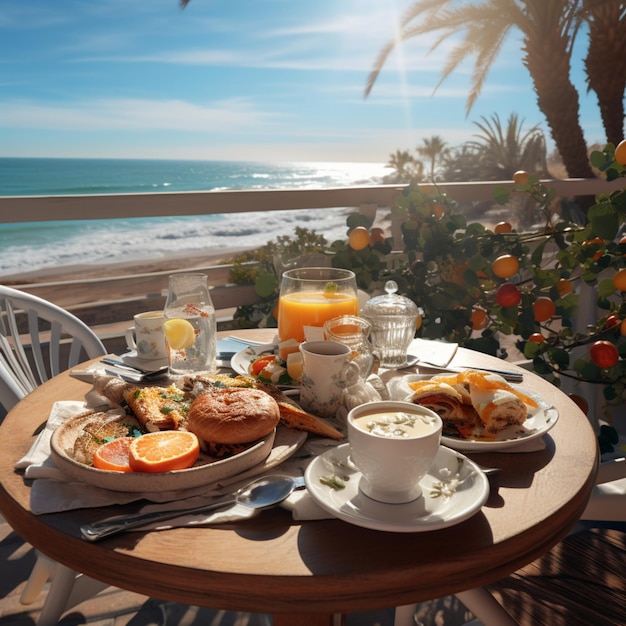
(293, 416)
(98, 428)
(158, 408)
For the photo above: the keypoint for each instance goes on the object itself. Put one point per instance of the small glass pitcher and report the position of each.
(353, 331)
(191, 339)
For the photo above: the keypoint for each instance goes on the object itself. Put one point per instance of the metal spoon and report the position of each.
(259, 494)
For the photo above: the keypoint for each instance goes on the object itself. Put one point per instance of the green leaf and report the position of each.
(559, 358)
(606, 288)
(501, 195)
(604, 220)
(266, 285)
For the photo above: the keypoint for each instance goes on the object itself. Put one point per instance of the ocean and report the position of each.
(31, 246)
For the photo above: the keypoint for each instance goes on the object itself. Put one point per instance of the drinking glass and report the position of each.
(353, 331)
(188, 300)
(311, 295)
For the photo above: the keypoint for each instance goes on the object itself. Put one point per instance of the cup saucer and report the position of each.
(453, 490)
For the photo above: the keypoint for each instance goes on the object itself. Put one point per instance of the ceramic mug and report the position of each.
(326, 372)
(146, 336)
(393, 444)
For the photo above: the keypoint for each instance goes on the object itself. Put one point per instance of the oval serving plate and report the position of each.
(537, 424)
(205, 472)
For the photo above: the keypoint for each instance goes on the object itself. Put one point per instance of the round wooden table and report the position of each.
(303, 572)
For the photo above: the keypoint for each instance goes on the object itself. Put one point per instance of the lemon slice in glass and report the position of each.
(179, 333)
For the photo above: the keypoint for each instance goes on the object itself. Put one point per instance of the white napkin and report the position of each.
(438, 353)
(52, 491)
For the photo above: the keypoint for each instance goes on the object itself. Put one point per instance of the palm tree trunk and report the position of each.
(606, 75)
(548, 62)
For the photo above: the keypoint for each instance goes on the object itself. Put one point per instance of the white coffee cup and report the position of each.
(146, 337)
(393, 444)
(326, 371)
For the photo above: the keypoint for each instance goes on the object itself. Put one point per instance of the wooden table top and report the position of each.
(304, 571)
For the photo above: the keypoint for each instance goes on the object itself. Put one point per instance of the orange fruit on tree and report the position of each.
(612, 321)
(505, 266)
(596, 241)
(163, 451)
(620, 152)
(537, 338)
(508, 294)
(543, 309)
(437, 210)
(619, 280)
(521, 177)
(604, 354)
(564, 286)
(622, 328)
(114, 455)
(359, 238)
(377, 235)
(503, 228)
(479, 319)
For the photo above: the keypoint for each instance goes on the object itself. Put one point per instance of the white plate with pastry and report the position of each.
(453, 491)
(481, 412)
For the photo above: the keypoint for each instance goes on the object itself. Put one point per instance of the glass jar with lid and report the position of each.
(394, 320)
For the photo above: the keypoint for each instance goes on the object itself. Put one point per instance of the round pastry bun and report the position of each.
(233, 415)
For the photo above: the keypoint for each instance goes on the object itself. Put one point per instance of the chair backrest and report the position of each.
(38, 340)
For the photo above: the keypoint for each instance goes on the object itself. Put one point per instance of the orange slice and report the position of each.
(163, 451)
(113, 455)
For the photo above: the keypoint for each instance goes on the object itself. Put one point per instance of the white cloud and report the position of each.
(135, 115)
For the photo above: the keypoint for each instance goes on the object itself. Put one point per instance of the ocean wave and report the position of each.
(33, 246)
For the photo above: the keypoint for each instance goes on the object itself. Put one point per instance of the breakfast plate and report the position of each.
(266, 453)
(453, 490)
(241, 361)
(539, 421)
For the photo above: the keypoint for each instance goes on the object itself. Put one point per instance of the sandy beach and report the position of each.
(127, 268)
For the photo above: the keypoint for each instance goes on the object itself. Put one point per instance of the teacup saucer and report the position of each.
(453, 490)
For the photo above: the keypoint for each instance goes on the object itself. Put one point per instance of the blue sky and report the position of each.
(264, 80)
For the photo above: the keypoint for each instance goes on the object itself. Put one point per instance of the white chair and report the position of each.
(39, 340)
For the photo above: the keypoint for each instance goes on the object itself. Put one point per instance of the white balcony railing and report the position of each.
(127, 292)
(111, 206)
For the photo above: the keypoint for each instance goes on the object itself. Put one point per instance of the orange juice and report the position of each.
(311, 308)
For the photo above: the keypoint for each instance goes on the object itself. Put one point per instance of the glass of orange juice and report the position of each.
(309, 296)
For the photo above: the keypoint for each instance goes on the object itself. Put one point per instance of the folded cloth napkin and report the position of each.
(438, 353)
(52, 491)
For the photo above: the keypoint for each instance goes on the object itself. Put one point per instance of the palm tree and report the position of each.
(405, 167)
(502, 152)
(432, 149)
(605, 62)
(547, 28)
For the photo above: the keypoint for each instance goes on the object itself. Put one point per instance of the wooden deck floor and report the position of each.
(581, 582)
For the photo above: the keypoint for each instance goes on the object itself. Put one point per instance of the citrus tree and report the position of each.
(476, 285)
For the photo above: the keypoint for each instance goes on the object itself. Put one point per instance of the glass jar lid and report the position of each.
(390, 304)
